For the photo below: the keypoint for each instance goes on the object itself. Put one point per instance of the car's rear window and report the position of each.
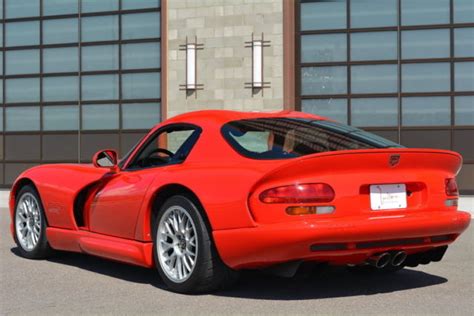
(281, 138)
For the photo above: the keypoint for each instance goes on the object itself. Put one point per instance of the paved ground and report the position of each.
(80, 284)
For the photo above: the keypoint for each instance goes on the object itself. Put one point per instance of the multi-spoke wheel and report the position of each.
(177, 244)
(30, 224)
(184, 253)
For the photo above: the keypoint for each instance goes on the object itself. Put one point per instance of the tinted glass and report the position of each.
(323, 48)
(464, 76)
(289, 138)
(144, 55)
(463, 11)
(140, 116)
(464, 109)
(141, 86)
(102, 57)
(426, 77)
(99, 28)
(60, 31)
(373, 13)
(61, 118)
(21, 8)
(22, 33)
(139, 4)
(56, 7)
(96, 6)
(60, 59)
(374, 46)
(177, 141)
(100, 117)
(463, 43)
(419, 12)
(142, 25)
(323, 80)
(374, 112)
(22, 62)
(335, 109)
(60, 88)
(323, 14)
(25, 118)
(100, 87)
(425, 44)
(426, 111)
(374, 79)
(22, 90)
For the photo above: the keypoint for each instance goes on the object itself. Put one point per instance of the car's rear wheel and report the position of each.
(184, 253)
(30, 225)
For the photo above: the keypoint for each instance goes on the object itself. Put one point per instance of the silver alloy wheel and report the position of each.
(28, 221)
(177, 244)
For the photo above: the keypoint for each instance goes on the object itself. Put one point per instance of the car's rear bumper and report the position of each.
(338, 240)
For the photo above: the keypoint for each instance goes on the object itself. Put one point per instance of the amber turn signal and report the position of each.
(308, 210)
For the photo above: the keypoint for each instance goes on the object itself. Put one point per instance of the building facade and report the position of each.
(80, 75)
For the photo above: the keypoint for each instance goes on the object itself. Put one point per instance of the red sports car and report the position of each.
(208, 193)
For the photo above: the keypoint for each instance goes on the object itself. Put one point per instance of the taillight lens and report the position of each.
(451, 187)
(299, 193)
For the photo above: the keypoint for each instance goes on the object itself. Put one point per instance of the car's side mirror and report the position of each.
(107, 158)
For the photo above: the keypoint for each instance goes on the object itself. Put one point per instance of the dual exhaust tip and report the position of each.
(382, 260)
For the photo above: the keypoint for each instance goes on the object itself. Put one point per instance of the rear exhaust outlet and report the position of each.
(380, 261)
(398, 258)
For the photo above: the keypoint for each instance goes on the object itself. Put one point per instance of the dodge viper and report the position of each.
(206, 194)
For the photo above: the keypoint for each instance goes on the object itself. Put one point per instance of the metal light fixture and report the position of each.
(191, 66)
(257, 84)
(257, 64)
(191, 84)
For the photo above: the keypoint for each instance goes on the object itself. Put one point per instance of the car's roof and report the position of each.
(224, 116)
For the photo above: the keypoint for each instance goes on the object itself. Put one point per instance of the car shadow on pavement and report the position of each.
(329, 282)
(326, 282)
(106, 267)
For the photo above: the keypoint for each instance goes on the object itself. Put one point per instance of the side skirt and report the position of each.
(114, 248)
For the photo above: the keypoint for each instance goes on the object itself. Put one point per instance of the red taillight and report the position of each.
(451, 187)
(299, 193)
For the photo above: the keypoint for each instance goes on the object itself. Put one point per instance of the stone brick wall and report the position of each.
(224, 65)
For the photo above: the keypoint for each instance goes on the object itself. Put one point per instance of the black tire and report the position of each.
(209, 272)
(42, 249)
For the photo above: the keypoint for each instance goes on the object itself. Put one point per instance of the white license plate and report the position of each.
(388, 196)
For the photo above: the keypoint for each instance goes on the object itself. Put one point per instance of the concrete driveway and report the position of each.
(79, 284)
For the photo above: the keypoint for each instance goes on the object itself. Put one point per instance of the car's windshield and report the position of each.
(280, 138)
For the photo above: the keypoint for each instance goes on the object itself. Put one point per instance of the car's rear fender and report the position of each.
(222, 189)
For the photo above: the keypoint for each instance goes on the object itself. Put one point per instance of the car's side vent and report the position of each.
(79, 203)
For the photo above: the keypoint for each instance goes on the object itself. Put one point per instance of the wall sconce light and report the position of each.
(191, 84)
(257, 84)
(191, 66)
(257, 64)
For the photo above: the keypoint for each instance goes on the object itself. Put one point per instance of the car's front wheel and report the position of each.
(184, 253)
(30, 225)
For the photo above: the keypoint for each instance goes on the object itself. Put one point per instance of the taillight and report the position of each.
(299, 193)
(451, 187)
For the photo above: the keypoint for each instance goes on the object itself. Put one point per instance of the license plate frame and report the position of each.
(388, 196)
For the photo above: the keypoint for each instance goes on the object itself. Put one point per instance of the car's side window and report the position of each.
(169, 145)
